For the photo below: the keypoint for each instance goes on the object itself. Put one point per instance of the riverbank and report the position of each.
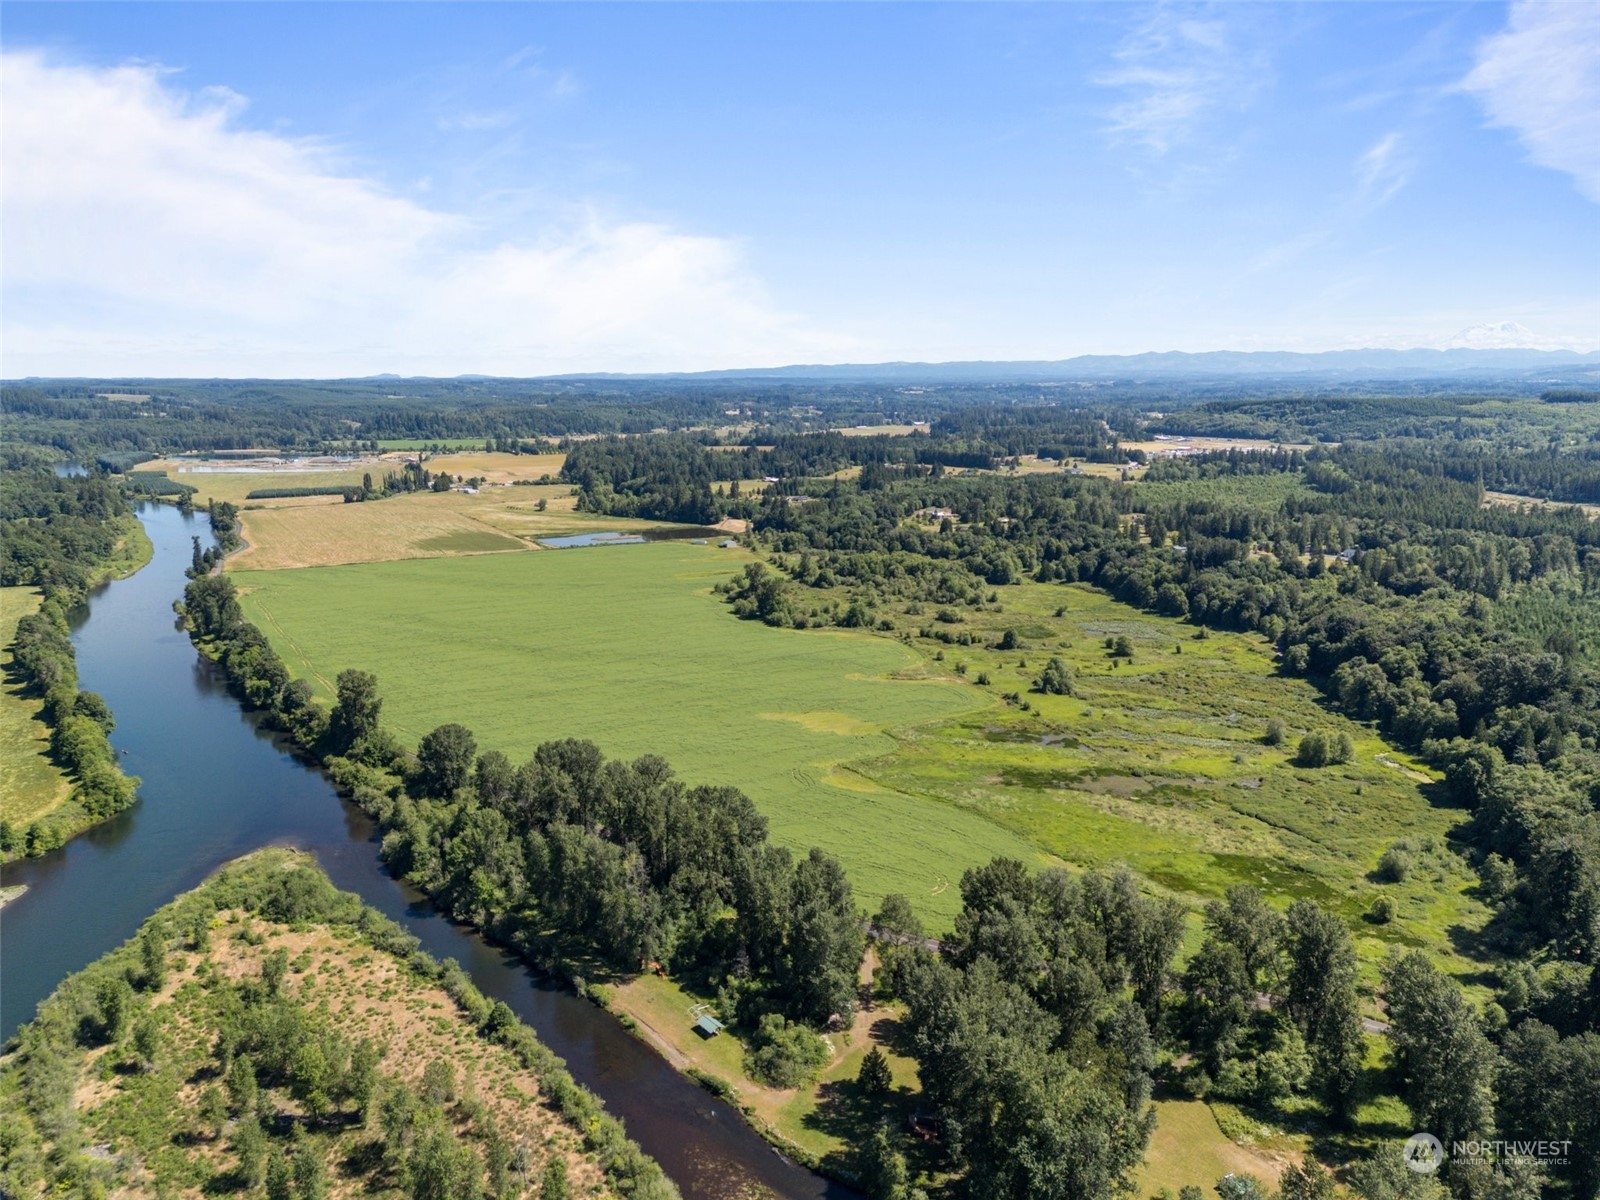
(393, 1029)
(40, 806)
(375, 781)
(820, 1124)
(219, 783)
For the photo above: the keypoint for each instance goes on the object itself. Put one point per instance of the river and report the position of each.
(215, 786)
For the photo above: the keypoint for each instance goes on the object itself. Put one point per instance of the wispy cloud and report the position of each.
(1177, 68)
(476, 122)
(149, 232)
(1540, 77)
(1382, 171)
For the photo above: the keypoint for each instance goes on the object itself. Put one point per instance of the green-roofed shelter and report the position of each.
(709, 1026)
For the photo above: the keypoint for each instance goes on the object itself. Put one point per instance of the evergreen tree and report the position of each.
(875, 1077)
(554, 1184)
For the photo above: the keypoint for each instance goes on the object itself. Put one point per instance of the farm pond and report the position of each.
(617, 538)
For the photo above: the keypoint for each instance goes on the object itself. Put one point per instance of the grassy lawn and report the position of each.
(1189, 1146)
(30, 784)
(624, 645)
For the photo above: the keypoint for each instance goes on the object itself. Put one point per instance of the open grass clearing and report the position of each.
(496, 468)
(419, 525)
(1161, 763)
(883, 430)
(1189, 1147)
(1513, 500)
(30, 784)
(625, 646)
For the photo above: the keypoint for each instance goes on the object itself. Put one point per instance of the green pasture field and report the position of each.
(873, 748)
(30, 784)
(625, 645)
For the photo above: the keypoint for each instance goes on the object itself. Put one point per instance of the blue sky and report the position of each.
(289, 189)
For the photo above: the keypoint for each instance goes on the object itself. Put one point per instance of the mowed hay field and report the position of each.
(30, 784)
(625, 645)
(419, 525)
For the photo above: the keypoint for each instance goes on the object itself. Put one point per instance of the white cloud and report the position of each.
(1540, 76)
(1176, 68)
(149, 232)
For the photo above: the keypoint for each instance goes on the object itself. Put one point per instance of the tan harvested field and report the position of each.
(497, 468)
(235, 479)
(881, 430)
(421, 525)
(1512, 500)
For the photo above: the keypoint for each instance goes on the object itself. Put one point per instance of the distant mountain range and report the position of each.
(1473, 354)
(1174, 364)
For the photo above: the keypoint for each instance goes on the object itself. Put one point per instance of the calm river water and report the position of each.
(216, 786)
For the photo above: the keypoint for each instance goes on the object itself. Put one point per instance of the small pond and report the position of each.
(613, 537)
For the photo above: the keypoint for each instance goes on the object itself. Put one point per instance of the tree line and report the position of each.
(56, 534)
